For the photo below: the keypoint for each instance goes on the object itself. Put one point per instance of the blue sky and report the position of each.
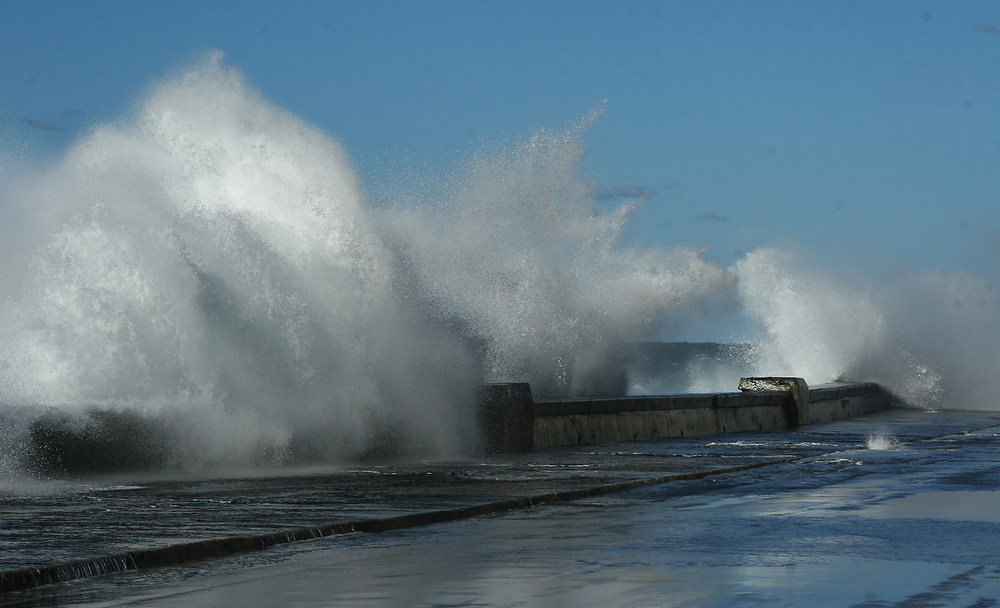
(860, 133)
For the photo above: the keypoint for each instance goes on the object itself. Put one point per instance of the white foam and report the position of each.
(882, 442)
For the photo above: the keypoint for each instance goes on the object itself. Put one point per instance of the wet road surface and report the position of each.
(897, 509)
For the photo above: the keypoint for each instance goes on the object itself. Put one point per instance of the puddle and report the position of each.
(976, 505)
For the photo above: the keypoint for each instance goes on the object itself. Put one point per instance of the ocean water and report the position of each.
(209, 277)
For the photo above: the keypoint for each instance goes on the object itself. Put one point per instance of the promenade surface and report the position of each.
(894, 509)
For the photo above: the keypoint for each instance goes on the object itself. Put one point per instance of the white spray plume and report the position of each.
(213, 265)
(931, 338)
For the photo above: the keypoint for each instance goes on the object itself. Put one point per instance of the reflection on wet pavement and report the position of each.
(905, 517)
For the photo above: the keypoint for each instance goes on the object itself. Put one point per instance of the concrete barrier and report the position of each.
(506, 414)
(512, 422)
(833, 401)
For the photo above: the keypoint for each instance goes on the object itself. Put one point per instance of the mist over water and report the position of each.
(212, 268)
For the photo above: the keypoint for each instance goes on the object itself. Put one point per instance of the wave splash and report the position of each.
(211, 273)
(206, 284)
(932, 338)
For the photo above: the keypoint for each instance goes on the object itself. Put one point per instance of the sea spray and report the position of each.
(931, 338)
(211, 265)
(209, 280)
(811, 326)
(514, 253)
(945, 327)
(209, 276)
(882, 442)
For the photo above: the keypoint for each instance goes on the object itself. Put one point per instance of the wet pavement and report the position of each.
(896, 509)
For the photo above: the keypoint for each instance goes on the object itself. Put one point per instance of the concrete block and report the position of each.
(799, 413)
(764, 404)
(506, 417)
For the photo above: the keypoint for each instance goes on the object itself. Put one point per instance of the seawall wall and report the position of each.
(512, 421)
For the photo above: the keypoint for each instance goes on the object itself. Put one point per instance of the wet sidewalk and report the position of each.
(888, 510)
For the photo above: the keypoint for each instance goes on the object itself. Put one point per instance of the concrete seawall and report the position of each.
(512, 421)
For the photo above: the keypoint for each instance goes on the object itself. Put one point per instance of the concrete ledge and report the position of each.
(614, 405)
(506, 412)
(764, 404)
(834, 401)
(798, 410)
